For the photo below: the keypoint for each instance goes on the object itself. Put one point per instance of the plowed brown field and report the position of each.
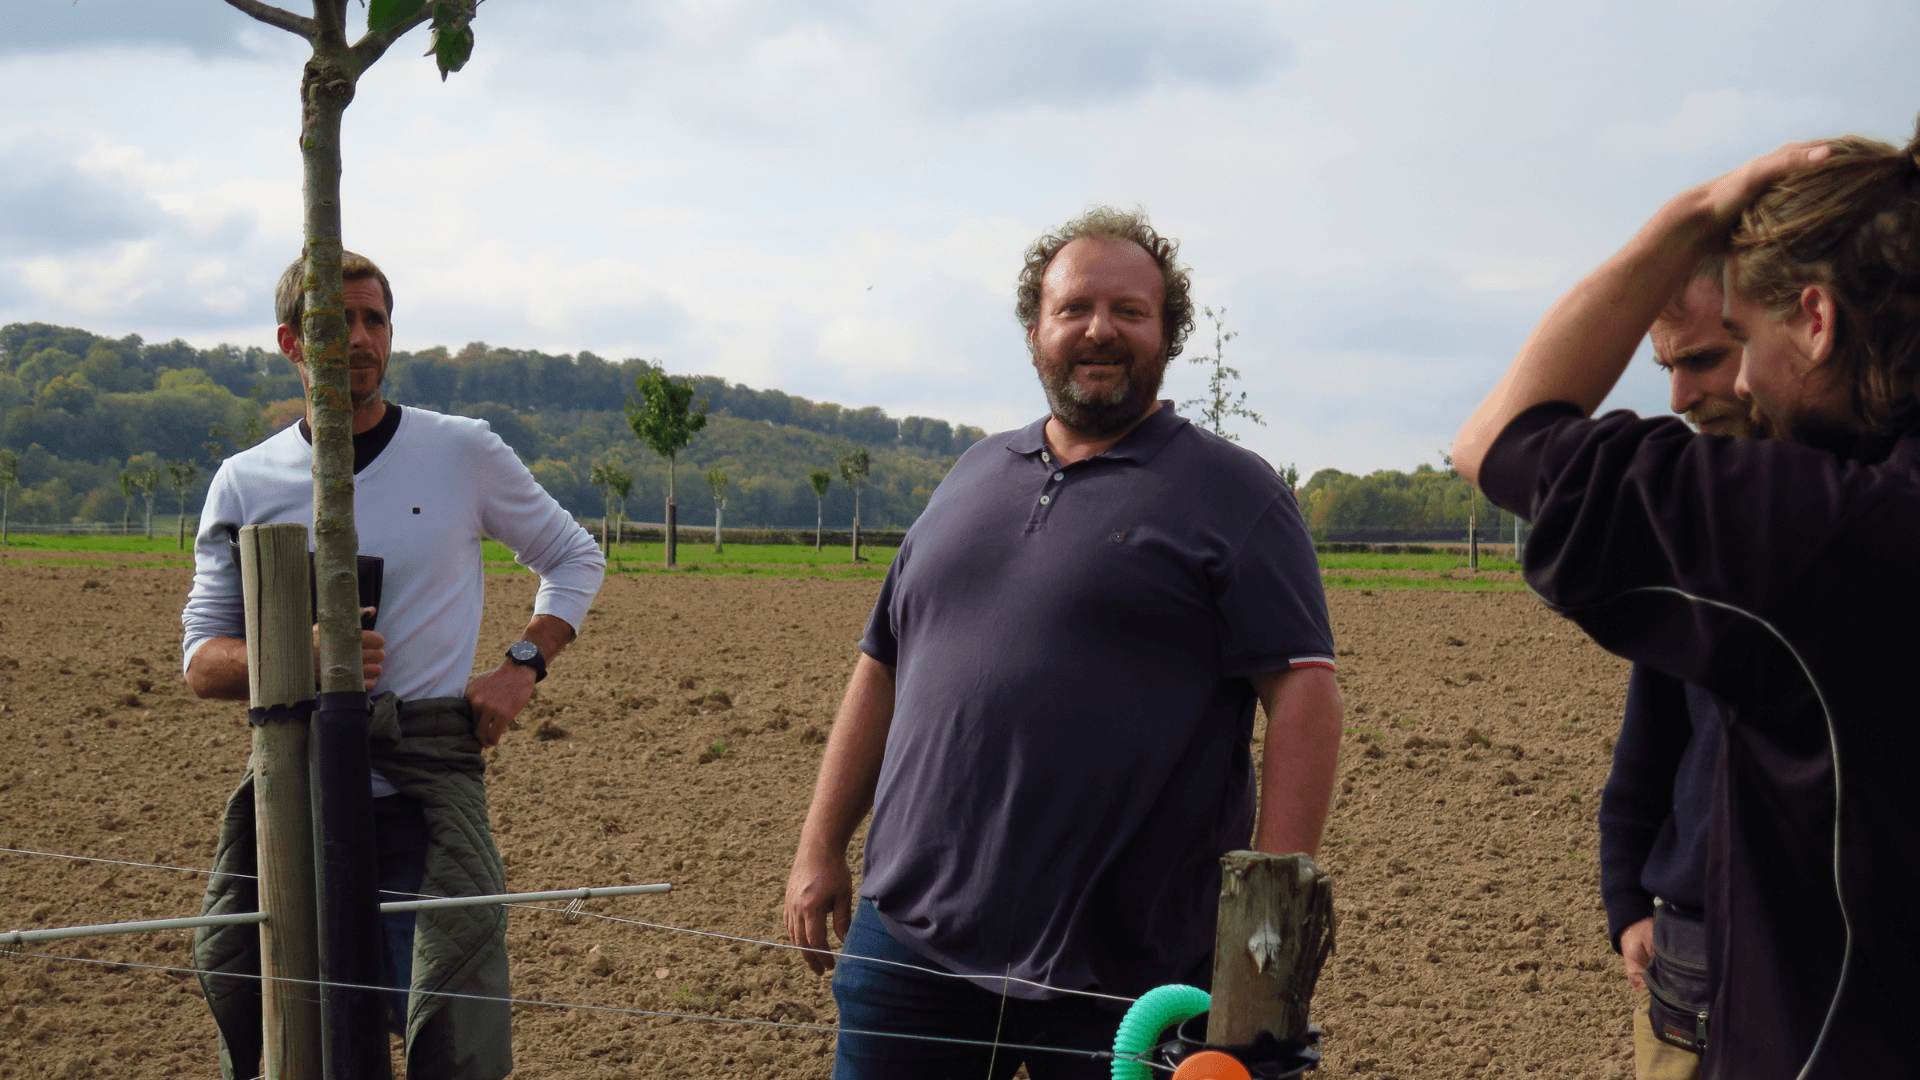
(1462, 844)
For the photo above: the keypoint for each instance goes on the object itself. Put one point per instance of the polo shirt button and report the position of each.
(1044, 456)
(1059, 476)
(1045, 499)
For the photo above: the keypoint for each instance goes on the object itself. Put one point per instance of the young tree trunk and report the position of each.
(149, 517)
(349, 918)
(326, 87)
(719, 511)
(606, 522)
(5, 493)
(819, 522)
(126, 516)
(673, 524)
(181, 545)
(856, 526)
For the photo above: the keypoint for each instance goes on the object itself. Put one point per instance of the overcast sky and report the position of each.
(831, 197)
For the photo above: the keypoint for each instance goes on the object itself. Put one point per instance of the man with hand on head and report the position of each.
(1051, 715)
(1657, 801)
(1777, 574)
(428, 488)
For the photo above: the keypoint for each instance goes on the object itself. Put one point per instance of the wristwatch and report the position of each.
(527, 654)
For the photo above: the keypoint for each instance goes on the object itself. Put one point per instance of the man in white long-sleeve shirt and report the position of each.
(427, 489)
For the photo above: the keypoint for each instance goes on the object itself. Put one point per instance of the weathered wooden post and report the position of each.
(1274, 933)
(273, 575)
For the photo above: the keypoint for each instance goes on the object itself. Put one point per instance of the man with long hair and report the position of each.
(1778, 574)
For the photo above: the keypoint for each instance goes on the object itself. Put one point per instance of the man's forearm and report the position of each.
(1580, 349)
(1583, 345)
(551, 633)
(851, 768)
(218, 670)
(1302, 750)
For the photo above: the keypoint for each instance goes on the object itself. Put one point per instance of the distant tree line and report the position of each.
(482, 376)
(1389, 506)
(86, 413)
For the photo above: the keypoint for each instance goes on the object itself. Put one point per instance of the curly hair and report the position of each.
(1110, 223)
(290, 295)
(1851, 224)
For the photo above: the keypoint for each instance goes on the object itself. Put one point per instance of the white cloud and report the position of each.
(1384, 196)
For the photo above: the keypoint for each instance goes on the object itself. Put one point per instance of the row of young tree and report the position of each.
(79, 409)
(141, 479)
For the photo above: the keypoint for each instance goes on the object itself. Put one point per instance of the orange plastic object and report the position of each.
(1211, 1065)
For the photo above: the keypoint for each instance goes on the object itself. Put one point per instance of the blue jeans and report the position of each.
(882, 997)
(400, 836)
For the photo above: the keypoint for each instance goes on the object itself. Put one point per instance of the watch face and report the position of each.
(524, 651)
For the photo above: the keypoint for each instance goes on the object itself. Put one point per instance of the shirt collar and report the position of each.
(1139, 446)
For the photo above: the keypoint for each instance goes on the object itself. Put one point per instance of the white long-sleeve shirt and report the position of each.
(441, 485)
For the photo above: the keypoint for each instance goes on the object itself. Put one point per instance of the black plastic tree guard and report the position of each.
(353, 1023)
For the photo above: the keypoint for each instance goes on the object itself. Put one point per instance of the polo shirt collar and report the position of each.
(1140, 445)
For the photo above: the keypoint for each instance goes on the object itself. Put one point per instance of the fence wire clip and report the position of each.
(575, 908)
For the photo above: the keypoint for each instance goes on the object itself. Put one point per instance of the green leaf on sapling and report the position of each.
(387, 14)
(452, 41)
(451, 48)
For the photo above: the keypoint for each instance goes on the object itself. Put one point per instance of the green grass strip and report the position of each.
(1401, 584)
(1359, 561)
(735, 555)
(124, 544)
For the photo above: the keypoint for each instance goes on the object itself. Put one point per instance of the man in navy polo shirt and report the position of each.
(1052, 713)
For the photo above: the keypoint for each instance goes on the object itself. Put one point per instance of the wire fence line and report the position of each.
(123, 862)
(662, 1014)
(570, 911)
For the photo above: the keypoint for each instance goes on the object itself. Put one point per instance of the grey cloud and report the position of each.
(989, 56)
(1412, 310)
(954, 58)
(90, 223)
(204, 26)
(47, 204)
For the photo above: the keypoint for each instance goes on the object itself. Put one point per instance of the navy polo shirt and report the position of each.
(1069, 753)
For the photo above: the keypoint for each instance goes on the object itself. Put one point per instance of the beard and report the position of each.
(1105, 412)
(360, 400)
(1730, 418)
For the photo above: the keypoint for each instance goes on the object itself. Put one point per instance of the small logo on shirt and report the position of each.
(1118, 537)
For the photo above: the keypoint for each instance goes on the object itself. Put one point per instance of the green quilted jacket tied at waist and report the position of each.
(427, 750)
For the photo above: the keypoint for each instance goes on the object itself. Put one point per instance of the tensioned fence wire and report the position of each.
(571, 911)
(660, 1014)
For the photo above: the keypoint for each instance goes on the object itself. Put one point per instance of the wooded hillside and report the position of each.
(81, 409)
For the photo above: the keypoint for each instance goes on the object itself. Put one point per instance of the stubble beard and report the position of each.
(1731, 419)
(360, 401)
(1101, 413)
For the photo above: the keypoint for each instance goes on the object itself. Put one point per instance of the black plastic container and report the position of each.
(1266, 1058)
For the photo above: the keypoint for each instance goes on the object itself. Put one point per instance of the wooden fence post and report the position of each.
(273, 574)
(1274, 933)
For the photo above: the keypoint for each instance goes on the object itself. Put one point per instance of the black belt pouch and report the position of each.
(372, 571)
(1677, 979)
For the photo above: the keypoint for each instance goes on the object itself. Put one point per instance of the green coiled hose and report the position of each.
(1160, 1009)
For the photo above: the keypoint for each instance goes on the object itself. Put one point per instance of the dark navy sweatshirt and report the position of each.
(1658, 800)
(1781, 577)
